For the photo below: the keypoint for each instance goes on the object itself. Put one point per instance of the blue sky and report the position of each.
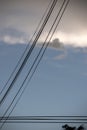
(58, 86)
(58, 81)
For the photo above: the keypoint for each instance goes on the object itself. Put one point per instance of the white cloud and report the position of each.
(76, 40)
(13, 40)
(13, 36)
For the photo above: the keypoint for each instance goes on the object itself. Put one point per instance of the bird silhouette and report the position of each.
(67, 127)
(80, 127)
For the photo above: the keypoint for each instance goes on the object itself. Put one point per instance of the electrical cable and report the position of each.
(72, 118)
(46, 119)
(52, 34)
(29, 52)
(32, 65)
(26, 48)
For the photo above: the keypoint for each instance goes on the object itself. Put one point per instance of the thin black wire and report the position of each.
(42, 118)
(26, 48)
(79, 122)
(60, 17)
(42, 54)
(54, 3)
(30, 68)
(29, 52)
(37, 63)
(35, 59)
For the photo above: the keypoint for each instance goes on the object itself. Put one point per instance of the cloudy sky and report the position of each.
(19, 16)
(59, 86)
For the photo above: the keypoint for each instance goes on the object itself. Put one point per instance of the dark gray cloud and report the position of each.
(60, 47)
(57, 44)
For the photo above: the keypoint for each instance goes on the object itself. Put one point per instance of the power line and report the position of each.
(67, 118)
(48, 15)
(45, 119)
(60, 18)
(41, 56)
(79, 122)
(26, 48)
(42, 53)
(29, 42)
(30, 51)
(32, 65)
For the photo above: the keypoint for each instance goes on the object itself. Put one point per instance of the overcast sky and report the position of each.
(23, 16)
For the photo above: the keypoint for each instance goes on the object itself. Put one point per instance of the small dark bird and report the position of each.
(80, 127)
(67, 127)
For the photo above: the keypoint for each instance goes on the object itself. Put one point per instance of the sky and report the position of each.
(58, 86)
(18, 16)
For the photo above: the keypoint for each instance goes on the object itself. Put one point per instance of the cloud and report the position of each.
(25, 16)
(12, 40)
(72, 39)
(57, 44)
(13, 36)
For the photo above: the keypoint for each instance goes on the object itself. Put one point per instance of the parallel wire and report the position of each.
(79, 122)
(41, 56)
(36, 65)
(31, 67)
(45, 21)
(29, 52)
(46, 119)
(72, 118)
(54, 30)
(26, 48)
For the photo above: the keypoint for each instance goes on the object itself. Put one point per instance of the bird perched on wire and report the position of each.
(67, 127)
(80, 127)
